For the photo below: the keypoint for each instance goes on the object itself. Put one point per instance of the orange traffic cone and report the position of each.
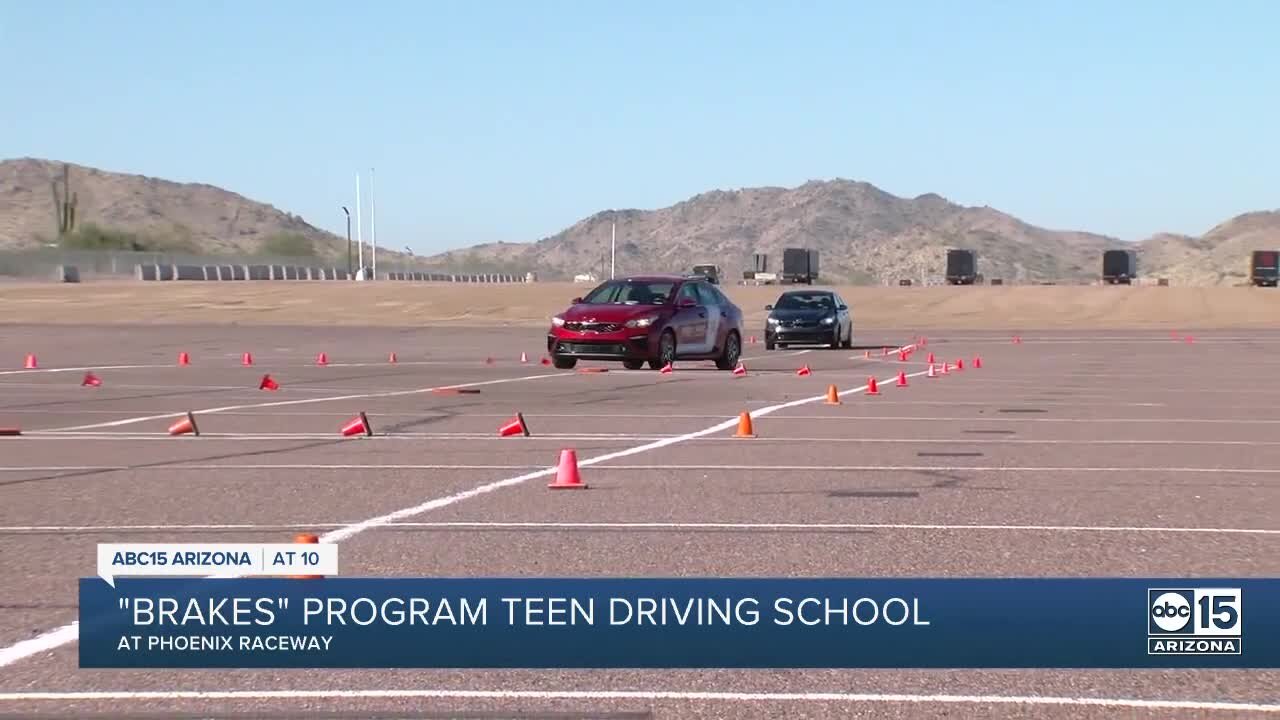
(488, 361)
(932, 372)
(902, 379)
(515, 426)
(184, 358)
(930, 359)
(924, 341)
(1017, 340)
(740, 371)
(90, 380)
(524, 358)
(752, 339)
(246, 359)
(872, 388)
(30, 363)
(903, 355)
(884, 352)
(946, 368)
(567, 477)
(804, 371)
(546, 360)
(307, 539)
(833, 396)
(268, 383)
(667, 369)
(322, 359)
(977, 362)
(866, 354)
(392, 358)
(745, 430)
(959, 363)
(1190, 339)
(185, 425)
(357, 425)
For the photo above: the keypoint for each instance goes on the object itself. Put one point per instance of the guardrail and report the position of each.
(187, 273)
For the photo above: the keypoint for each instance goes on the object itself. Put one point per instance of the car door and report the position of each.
(717, 314)
(690, 321)
(845, 317)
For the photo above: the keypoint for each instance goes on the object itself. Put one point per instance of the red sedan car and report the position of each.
(653, 318)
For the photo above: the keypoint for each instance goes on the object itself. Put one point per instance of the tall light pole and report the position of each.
(613, 246)
(373, 227)
(348, 214)
(359, 230)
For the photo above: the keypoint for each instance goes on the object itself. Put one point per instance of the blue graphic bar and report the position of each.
(680, 623)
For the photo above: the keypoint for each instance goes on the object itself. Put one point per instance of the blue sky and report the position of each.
(510, 121)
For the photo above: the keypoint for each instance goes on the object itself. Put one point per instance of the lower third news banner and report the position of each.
(679, 623)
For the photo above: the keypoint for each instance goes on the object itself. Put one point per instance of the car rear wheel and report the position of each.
(633, 364)
(666, 351)
(728, 359)
(564, 363)
(848, 340)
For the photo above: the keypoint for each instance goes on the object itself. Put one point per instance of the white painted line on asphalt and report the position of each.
(95, 368)
(177, 465)
(641, 695)
(560, 437)
(305, 401)
(623, 526)
(70, 632)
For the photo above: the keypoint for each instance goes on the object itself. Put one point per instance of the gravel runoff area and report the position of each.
(1072, 453)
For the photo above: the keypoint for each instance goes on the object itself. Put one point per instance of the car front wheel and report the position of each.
(564, 363)
(633, 364)
(666, 351)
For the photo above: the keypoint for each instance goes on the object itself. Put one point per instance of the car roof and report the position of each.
(814, 291)
(657, 278)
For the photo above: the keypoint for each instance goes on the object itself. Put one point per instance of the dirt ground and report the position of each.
(394, 304)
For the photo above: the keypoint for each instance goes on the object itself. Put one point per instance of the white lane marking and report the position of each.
(304, 401)
(746, 527)
(646, 695)
(667, 441)
(71, 632)
(95, 368)
(558, 437)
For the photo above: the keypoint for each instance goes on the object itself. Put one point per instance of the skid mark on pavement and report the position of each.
(70, 633)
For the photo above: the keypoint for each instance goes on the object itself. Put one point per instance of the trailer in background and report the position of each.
(1119, 267)
(799, 265)
(1264, 268)
(962, 267)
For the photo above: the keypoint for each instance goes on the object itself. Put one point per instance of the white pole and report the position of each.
(613, 247)
(359, 229)
(373, 227)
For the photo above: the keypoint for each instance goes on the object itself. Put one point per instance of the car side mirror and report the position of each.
(686, 303)
(768, 307)
(575, 301)
(842, 308)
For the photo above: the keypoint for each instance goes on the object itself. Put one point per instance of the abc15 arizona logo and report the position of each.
(1193, 621)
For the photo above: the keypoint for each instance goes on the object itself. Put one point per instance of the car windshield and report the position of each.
(631, 292)
(805, 301)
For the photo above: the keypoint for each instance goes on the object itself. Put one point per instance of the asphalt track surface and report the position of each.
(1069, 454)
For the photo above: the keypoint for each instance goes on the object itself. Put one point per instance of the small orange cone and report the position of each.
(902, 379)
(932, 372)
(752, 339)
(959, 363)
(884, 352)
(268, 383)
(567, 477)
(546, 361)
(1190, 339)
(392, 359)
(90, 380)
(358, 425)
(184, 358)
(833, 396)
(946, 368)
(745, 429)
(515, 426)
(246, 359)
(307, 539)
(185, 425)
(322, 359)
(804, 371)
(903, 355)
(872, 388)
(524, 358)
(667, 369)
(977, 362)
(488, 361)
(930, 359)
(30, 363)
(924, 341)
(740, 371)
(1017, 340)
(866, 354)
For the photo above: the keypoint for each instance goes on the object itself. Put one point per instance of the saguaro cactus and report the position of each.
(64, 204)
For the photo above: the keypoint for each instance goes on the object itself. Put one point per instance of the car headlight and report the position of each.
(772, 321)
(828, 320)
(640, 322)
(557, 321)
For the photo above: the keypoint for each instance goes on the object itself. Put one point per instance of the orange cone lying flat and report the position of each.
(184, 358)
(872, 388)
(804, 371)
(740, 371)
(268, 383)
(902, 379)
(10, 432)
(359, 425)
(546, 361)
(667, 369)
(567, 477)
(90, 380)
(833, 395)
(307, 539)
(186, 425)
(514, 426)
